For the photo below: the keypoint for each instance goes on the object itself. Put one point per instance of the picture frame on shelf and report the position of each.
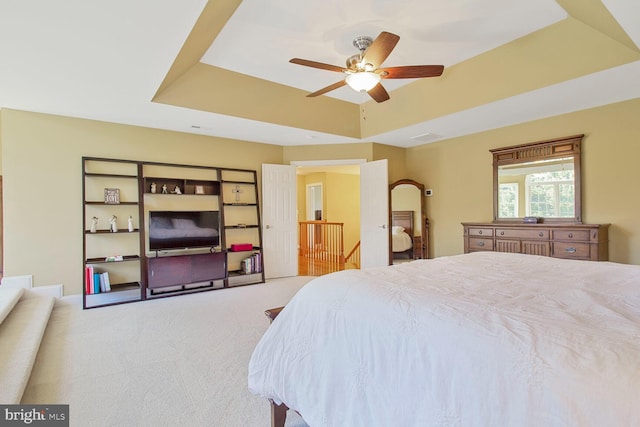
(112, 196)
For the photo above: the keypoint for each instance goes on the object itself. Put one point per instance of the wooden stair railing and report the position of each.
(354, 256)
(321, 246)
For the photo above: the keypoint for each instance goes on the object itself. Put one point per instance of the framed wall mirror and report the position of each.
(539, 181)
(409, 226)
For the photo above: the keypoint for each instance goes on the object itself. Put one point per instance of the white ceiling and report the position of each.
(105, 60)
(432, 32)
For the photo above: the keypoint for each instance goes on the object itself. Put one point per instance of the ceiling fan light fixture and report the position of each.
(363, 81)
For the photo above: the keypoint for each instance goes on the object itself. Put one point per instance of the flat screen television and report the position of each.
(183, 229)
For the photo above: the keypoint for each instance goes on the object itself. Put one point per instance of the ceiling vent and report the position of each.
(426, 137)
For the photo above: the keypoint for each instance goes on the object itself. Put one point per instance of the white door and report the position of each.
(279, 222)
(374, 214)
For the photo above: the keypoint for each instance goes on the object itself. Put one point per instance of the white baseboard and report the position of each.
(25, 281)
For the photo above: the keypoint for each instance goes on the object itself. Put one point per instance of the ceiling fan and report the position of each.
(363, 69)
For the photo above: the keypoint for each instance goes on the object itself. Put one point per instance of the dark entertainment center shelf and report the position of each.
(126, 231)
(109, 175)
(195, 187)
(191, 265)
(103, 260)
(93, 202)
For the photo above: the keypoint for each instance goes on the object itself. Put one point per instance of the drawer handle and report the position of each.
(480, 232)
(570, 250)
(481, 244)
(502, 233)
(571, 235)
(541, 234)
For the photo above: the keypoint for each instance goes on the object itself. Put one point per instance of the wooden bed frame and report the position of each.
(405, 220)
(278, 412)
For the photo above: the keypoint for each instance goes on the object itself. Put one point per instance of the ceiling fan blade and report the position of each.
(327, 89)
(380, 49)
(411, 71)
(315, 64)
(378, 93)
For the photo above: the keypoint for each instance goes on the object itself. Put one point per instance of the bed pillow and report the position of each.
(397, 229)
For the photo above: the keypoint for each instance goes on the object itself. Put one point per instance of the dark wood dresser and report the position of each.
(573, 241)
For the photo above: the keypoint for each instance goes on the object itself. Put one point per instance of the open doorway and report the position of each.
(281, 214)
(328, 203)
(314, 201)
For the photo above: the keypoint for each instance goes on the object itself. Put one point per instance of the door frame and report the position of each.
(320, 163)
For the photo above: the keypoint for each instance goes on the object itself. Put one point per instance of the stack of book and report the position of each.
(252, 264)
(94, 281)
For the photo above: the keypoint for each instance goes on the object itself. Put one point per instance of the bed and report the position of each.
(485, 338)
(402, 234)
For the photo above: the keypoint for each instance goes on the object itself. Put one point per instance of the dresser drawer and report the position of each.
(485, 232)
(571, 250)
(577, 235)
(519, 233)
(477, 244)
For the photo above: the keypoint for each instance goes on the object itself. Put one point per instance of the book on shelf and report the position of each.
(88, 279)
(105, 284)
(252, 264)
(96, 283)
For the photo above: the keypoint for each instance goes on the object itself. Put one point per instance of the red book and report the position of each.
(87, 280)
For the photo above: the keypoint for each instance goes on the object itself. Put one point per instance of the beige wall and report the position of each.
(396, 160)
(41, 165)
(341, 202)
(343, 205)
(460, 173)
(365, 150)
(42, 170)
(327, 152)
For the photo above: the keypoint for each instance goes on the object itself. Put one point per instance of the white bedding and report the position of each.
(400, 242)
(459, 341)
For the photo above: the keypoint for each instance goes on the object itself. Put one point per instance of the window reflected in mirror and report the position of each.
(544, 189)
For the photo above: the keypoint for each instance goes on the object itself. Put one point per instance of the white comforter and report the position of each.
(484, 339)
(401, 242)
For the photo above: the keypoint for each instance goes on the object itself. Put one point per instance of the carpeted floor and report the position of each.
(178, 361)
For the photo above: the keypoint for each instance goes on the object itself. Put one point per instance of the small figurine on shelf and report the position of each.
(164, 189)
(177, 190)
(153, 187)
(94, 224)
(113, 225)
(130, 223)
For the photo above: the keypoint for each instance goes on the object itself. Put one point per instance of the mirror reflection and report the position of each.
(408, 224)
(539, 181)
(544, 189)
